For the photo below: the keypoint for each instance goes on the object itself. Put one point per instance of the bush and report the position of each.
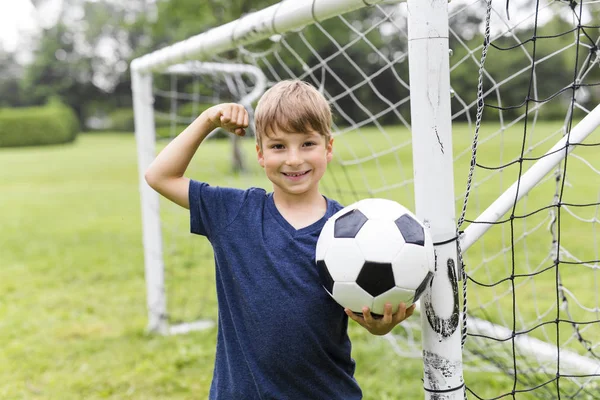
(122, 119)
(54, 123)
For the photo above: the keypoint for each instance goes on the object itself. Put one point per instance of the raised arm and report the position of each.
(165, 174)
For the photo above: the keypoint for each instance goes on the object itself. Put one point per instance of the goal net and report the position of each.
(524, 87)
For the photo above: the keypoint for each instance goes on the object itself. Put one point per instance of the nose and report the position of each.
(293, 158)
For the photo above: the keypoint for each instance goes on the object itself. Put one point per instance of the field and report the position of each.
(72, 303)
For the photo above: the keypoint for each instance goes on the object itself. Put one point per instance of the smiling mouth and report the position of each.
(295, 174)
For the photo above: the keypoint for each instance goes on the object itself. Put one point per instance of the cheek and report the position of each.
(325, 158)
(269, 162)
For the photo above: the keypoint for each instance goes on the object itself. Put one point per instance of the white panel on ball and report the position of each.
(344, 260)
(381, 209)
(352, 296)
(394, 296)
(324, 241)
(410, 266)
(380, 240)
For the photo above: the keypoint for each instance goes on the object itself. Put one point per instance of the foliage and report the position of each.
(10, 75)
(84, 58)
(180, 19)
(511, 58)
(60, 69)
(122, 119)
(33, 126)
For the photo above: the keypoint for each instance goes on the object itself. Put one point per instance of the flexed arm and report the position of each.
(165, 174)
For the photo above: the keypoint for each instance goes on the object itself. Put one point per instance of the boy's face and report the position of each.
(295, 162)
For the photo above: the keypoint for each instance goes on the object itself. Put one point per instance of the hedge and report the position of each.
(34, 126)
(122, 119)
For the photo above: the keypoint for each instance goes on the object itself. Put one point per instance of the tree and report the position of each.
(10, 74)
(84, 57)
(59, 70)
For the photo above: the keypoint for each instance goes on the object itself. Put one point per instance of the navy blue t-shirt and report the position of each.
(280, 335)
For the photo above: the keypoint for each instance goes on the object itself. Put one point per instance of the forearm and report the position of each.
(165, 174)
(174, 159)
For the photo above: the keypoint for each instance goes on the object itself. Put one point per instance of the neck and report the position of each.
(300, 211)
(304, 201)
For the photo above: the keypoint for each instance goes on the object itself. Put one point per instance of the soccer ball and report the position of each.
(373, 252)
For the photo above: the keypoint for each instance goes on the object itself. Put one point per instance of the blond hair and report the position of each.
(292, 106)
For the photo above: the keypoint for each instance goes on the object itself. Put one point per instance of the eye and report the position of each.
(277, 146)
(308, 144)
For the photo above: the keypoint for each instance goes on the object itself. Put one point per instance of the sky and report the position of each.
(19, 17)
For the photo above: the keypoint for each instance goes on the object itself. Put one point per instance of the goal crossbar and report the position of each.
(282, 17)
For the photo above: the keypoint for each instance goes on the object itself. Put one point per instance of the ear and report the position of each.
(329, 150)
(261, 157)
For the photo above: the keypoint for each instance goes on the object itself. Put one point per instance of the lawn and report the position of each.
(73, 302)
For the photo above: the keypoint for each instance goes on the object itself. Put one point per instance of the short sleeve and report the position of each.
(213, 208)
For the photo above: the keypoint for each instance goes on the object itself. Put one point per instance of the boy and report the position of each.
(280, 335)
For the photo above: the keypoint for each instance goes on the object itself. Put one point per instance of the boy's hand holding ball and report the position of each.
(382, 325)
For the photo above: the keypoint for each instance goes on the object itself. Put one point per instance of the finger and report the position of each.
(353, 316)
(225, 116)
(400, 315)
(241, 117)
(410, 310)
(246, 118)
(240, 131)
(387, 313)
(234, 115)
(367, 315)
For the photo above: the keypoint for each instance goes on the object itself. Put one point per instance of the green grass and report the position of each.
(72, 309)
(72, 290)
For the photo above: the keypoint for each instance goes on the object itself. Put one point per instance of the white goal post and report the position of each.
(145, 137)
(434, 172)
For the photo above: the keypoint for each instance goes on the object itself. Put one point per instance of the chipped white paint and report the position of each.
(433, 162)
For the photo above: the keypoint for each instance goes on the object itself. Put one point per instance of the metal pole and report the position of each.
(431, 125)
(143, 105)
(284, 16)
(530, 178)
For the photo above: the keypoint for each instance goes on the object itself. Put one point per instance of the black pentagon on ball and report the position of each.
(348, 225)
(411, 230)
(325, 276)
(376, 278)
(419, 291)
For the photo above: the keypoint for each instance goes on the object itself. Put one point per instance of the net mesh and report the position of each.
(523, 75)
